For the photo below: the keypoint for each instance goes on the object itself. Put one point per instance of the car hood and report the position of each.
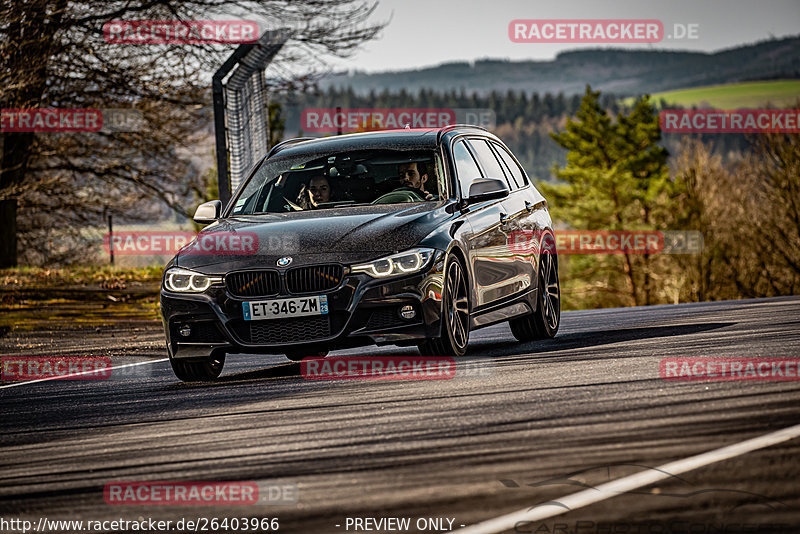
(338, 235)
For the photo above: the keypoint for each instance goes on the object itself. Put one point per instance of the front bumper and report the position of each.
(362, 311)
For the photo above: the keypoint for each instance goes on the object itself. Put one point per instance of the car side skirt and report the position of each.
(519, 306)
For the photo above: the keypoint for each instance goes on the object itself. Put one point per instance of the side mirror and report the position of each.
(208, 212)
(487, 189)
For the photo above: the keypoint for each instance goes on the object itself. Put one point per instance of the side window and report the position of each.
(509, 174)
(254, 196)
(466, 168)
(489, 162)
(516, 172)
(441, 177)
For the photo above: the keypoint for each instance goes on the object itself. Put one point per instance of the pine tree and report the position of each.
(616, 178)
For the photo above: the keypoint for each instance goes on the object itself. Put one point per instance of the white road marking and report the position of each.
(628, 483)
(15, 384)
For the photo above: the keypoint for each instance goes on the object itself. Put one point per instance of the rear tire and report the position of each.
(455, 315)
(542, 323)
(199, 370)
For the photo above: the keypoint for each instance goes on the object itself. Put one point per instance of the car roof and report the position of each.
(403, 139)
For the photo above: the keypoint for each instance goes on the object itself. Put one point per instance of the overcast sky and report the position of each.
(429, 32)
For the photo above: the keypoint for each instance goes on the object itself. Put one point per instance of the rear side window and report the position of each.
(516, 172)
(505, 165)
(489, 162)
(466, 168)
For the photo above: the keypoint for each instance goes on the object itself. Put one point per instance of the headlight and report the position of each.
(186, 281)
(407, 262)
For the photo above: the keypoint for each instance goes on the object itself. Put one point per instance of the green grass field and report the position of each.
(778, 93)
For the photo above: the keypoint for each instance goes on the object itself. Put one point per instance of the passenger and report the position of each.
(317, 192)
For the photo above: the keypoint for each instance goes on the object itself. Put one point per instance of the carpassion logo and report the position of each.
(283, 262)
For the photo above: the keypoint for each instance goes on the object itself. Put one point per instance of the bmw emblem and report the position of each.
(283, 262)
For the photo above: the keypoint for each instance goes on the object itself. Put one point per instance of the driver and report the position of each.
(414, 175)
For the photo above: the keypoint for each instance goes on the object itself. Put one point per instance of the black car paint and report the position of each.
(501, 288)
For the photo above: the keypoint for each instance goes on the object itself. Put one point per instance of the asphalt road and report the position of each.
(527, 424)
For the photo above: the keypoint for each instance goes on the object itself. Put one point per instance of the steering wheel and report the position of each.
(401, 194)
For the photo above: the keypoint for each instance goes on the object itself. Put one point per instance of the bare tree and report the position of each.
(749, 213)
(53, 54)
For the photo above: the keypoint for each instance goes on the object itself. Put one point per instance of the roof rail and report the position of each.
(284, 144)
(454, 126)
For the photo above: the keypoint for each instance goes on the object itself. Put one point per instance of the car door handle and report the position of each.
(504, 219)
(528, 206)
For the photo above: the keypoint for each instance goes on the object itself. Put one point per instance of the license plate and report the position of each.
(282, 308)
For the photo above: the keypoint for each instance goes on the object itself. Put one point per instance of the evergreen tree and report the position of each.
(616, 178)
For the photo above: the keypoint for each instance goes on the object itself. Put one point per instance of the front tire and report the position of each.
(199, 370)
(455, 315)
(542, 323)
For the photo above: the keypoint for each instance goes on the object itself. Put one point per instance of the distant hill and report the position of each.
(623, 72)
(778, 93)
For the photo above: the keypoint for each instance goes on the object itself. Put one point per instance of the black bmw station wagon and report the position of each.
(406, 237)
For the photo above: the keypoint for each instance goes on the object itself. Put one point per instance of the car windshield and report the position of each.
(364, 177)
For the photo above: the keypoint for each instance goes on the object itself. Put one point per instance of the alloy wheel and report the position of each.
(551, 294)
(458, 306)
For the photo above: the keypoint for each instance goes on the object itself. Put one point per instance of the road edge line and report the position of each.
(47, 379)
(625, 484)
